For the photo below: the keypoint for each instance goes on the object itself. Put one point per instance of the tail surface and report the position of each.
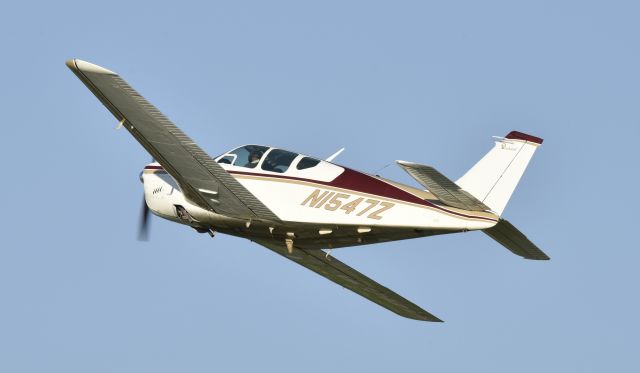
(494, 178)
(511, 238)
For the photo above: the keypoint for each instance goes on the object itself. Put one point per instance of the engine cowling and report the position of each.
(165, 199)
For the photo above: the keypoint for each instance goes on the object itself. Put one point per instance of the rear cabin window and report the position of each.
(307, 162)
(278, 160)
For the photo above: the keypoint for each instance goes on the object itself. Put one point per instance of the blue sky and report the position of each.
(428, 82)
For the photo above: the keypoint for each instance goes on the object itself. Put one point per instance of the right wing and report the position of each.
(514, 240)
(340, 273)
(202, 180)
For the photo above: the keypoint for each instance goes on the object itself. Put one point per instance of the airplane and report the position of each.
(301, 207)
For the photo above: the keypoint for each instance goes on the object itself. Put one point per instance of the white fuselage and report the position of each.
(316, 199)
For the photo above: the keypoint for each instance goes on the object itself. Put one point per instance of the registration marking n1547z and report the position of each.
(334, 201)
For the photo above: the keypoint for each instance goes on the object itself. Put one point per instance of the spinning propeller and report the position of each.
(143, 227)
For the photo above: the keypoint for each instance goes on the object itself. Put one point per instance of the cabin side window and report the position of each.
(307, 162)
(278, 160)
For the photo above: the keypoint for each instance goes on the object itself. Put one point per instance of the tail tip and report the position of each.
(516, 135)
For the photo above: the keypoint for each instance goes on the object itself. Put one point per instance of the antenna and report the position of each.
(334, 155)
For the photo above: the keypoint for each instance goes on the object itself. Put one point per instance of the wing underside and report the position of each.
(343, 275)
(185, 161)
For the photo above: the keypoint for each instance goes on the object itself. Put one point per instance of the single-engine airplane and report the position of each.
(301, 207)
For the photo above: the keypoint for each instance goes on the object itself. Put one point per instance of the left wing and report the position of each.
(202, 180)
(340, 273)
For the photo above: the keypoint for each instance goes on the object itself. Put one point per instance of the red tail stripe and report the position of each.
(523, 136)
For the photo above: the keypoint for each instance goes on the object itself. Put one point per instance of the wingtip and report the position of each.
(404, 163)
(84, 66)
(543, 257)
(70, 64)
(432, 318)
(425, 316)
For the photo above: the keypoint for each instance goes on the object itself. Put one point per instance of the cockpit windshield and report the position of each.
(246, 156)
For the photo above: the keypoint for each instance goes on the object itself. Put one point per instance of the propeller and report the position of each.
(143, 228)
